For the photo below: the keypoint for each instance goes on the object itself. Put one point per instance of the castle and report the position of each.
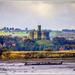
(39, 35)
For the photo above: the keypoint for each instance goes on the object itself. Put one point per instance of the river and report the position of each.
(20, 68)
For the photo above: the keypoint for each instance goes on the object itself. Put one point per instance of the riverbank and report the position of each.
(39, 60)
(20, 68)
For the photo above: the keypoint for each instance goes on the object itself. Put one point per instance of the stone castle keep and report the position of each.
(39, 35)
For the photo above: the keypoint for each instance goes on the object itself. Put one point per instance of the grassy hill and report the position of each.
(45, 42)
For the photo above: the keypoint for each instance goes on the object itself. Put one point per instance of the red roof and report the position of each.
(61, 48)
(7, 43)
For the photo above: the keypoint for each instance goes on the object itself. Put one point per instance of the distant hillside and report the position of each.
(67, 35)
(45, 42)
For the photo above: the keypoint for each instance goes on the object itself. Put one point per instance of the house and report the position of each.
(24, 38)
(13, 44)
(61, 48)
(0, 45)
(7, 44)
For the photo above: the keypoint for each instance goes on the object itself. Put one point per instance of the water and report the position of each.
(20, 68)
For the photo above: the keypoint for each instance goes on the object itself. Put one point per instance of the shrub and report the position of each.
(40, 55)
(48, 49)
(5, 50)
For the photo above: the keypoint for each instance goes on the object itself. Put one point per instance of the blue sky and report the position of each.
(50, 15)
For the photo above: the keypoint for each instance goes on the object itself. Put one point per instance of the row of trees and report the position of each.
(59, 41)
(68, 30)
(6, 28)
(31, 45)
(67, 46)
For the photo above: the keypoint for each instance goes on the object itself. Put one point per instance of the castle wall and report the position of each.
(43, 35)
(31, 35)
(35, 34)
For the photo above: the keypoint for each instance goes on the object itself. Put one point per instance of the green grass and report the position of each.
(20, 34)
(5, 33)
(45, 42)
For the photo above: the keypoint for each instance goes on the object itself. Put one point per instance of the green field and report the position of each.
(20, 34)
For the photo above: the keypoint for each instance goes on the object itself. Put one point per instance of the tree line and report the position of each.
(32, 45)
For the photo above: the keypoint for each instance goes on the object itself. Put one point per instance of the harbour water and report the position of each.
(20, 68)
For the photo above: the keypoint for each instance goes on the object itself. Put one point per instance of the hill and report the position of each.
(45, 42)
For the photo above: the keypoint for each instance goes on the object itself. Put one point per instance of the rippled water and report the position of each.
(20, 68)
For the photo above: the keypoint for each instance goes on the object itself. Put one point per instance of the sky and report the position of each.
(29, 14)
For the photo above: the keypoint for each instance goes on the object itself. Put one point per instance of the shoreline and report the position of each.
(39, 60)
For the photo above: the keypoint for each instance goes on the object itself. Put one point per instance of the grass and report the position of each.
(37, 54)
(20, 34)
(45, 42)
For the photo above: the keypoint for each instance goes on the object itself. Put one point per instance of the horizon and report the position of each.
(29, 14)
(33, 29)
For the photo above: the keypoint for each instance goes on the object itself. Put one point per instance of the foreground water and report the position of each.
(20, 68)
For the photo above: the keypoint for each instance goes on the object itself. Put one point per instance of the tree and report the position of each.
(56, 40)
(62, 41)
(4, 28)
(30, 45)
(13, 49)
(66, 46)
(18, 47)
(28, 40)
(26, 28)
(1, 40)
(1, 50)
(7, 28)
(12, 28)
(73, 46)
(59, 41)
(48, 49)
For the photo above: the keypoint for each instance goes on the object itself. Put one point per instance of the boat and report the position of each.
(49, 63)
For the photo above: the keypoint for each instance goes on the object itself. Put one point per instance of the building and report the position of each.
(7, 44)
(24, 38)
(39, 35)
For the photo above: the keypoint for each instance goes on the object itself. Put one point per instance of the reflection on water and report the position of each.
(20, 68)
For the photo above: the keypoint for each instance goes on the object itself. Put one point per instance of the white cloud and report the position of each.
(73, 5)
(73, 27)
(41, 8)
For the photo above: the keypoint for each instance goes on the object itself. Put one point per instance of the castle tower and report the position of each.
(39, 27)
(39, 32)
